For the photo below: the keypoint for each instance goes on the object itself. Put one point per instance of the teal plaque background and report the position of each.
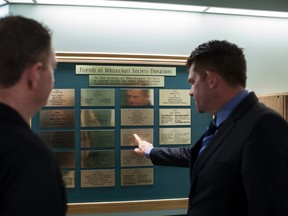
(169, 182)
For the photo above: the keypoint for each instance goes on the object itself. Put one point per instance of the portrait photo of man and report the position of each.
(137, 97)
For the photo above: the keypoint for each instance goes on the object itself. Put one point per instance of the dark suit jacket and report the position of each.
(30, 181)
(243, 170)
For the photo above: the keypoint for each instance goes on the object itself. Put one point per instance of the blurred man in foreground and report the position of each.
(30, 181)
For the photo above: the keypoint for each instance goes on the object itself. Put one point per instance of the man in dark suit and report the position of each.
(243, 168)
(30, 181)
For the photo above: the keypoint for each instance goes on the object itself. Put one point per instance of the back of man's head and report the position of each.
(23, 42)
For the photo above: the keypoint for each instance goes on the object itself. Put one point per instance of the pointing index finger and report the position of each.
(137, 137)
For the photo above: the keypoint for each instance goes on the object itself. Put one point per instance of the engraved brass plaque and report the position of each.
(134, 117)
(130, 159)
(65, 159)
(59, 139)
(69, 178)
(97, 138)
(137, 97)
(61, 97)
(98, 159)
(128, 139)
(137, 81)
(125, 70)
(174, 136)
(135, 177)
(57, 118)
(174, 116)
(97, 97)
(98, 178)
(174, 97)
(97, 118)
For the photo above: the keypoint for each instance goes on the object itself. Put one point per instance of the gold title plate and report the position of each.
(174, 116)
(174, 136)
(97, 118)
(97, 97)
(98, 178)
(98, 159)
(135, 177)
(97, 138)
(128, 139)
(125, 70)
(137, 81)
(174, 97)
(61, 97)
(59, 139)
(57, 118)
(130, 159)
(134, 117)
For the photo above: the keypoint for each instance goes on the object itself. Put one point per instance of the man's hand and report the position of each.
(142, 146)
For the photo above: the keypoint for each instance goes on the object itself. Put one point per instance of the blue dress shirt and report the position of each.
(226, 110)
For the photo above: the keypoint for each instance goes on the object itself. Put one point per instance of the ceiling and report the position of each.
(271, 5)
(262, 5)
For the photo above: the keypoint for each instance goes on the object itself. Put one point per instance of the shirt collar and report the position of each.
(225, 111)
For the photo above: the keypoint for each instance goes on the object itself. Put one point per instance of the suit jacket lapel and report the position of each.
(215, 142)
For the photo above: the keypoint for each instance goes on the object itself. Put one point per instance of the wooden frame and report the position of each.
(85, 57)
(127, 206)
(109, 58)
(277, 102)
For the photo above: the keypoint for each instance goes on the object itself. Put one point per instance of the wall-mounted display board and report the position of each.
(97, 104)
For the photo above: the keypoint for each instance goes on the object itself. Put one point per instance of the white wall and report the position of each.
(4, 10)
(92, 29)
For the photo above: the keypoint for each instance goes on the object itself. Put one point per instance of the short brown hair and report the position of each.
(23, 42)
(223, 57)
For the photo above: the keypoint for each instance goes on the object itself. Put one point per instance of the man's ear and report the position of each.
(212, 78)
(33, 75)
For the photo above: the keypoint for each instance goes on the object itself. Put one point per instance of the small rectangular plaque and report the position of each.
(97, 138)
(61, 97)
(174, 116)
(57, 118)
(69, 178)
(174, 136)
(97, 97)
(97, 118)
(59, 139)
(134, 117)
(98, 178)
(130, 159)
(137, 97)
(137, 81)
(98, 159)
(65, 159)
(128, 139)
(174, 97)
(135, 177)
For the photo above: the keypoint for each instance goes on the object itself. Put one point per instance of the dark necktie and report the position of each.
(211, 129)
